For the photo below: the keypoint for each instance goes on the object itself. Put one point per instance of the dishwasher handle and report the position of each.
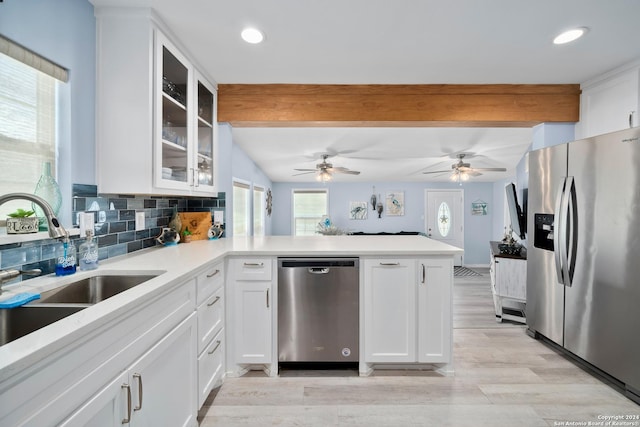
(318, 270)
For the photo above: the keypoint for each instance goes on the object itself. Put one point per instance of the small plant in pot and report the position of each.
(186, 235)
(22, 222)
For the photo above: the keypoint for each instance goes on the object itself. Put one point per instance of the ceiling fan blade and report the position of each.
(305, 170)
(490, 169)
(347, 171)
(437, 172)
(303, 173)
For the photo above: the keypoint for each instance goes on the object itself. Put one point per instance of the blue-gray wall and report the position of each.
(235, 164)
(63, 31)
(478, 229)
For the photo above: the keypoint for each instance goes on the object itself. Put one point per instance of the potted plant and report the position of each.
(186, 235)
(21, 222)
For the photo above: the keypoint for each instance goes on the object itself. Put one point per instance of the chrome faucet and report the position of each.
(56, 230)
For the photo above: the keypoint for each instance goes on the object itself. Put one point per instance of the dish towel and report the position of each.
(18, 300)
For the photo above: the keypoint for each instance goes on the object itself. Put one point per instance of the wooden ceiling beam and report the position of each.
(301, 105)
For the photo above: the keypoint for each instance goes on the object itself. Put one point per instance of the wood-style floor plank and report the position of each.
(502, 377)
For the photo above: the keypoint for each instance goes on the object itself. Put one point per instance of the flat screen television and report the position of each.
(517, 217)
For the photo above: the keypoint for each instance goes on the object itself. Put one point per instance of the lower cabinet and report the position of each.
(157, 389)
(509, 286)
(408, 310)
(211, 324)
(250, 319)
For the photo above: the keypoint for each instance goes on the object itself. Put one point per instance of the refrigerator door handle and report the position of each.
(558, 227)
(563, 242)
(572, 235)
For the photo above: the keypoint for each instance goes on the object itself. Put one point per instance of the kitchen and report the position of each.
(83, 172)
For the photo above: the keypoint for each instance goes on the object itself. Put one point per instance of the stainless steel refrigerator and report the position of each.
(583, 255)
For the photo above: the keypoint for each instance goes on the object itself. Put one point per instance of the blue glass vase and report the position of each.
(48, 189)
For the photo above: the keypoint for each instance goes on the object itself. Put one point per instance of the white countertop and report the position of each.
(172, 264)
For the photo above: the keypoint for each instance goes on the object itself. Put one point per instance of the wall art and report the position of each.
(357, 210)
(395, 203)
(479, 207)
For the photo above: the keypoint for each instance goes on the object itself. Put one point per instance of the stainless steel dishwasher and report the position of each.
(318, 309)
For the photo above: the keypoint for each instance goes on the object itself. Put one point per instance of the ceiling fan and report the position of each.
(325, 170)
(461, 171)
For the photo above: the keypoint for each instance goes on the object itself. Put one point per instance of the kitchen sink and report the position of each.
(20, 321)
(92, 290)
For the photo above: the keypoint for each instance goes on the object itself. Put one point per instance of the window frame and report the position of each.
(248, 213)
(293, 213)
(260, 209)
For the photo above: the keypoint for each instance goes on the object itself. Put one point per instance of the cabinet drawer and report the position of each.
(210, 367)
(210, 318)
(252, 269)
(209, 281)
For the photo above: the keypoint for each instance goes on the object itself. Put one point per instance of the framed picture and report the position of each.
(479, 207)
(395, 203)
(357, 210)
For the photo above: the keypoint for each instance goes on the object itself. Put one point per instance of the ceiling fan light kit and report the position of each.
(461, 171)
(324, 170)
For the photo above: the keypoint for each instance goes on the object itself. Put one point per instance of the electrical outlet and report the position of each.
(218, 217)
(139, 221)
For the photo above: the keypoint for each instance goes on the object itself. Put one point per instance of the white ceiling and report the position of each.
(399, 42)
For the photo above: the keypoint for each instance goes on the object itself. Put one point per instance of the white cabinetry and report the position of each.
(407, 310)
(610, 103)
(390, 310)
(508, 285)
(250, 287)
(156, 122)
(210, 312)
(140, 397)
(435, 287)
(149, 351)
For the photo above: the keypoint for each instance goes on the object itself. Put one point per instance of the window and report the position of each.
(258, 211)
(309, 206)
(241, 209)
(27, 120)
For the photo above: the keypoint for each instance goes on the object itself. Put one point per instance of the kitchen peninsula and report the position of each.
(172, 333)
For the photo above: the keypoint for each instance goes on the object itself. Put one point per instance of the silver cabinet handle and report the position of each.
(213, 274)
(267, 298)
(128, 418)
(388, 264)
(139, 378)
(253, 264)
(216, 347)
(631, 119)
(424, 274)
(216, 299)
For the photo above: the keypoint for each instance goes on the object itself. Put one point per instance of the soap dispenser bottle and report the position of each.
(66, 258)
(89, 253)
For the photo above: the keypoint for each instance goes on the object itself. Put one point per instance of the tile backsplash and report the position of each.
(114, 218)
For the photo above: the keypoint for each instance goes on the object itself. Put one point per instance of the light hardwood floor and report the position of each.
(502, 378)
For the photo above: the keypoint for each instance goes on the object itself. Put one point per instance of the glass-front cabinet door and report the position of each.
(173, 148)
(205, 130)
(186, 124)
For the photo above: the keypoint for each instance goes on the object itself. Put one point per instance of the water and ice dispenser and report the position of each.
(543, 231)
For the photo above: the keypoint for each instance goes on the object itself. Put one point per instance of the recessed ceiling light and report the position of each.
(252, 35)
(570, 35)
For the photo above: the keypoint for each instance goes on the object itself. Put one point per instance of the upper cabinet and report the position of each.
(156, 113)
(610, 103)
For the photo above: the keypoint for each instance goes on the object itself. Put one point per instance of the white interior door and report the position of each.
(444, 218)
